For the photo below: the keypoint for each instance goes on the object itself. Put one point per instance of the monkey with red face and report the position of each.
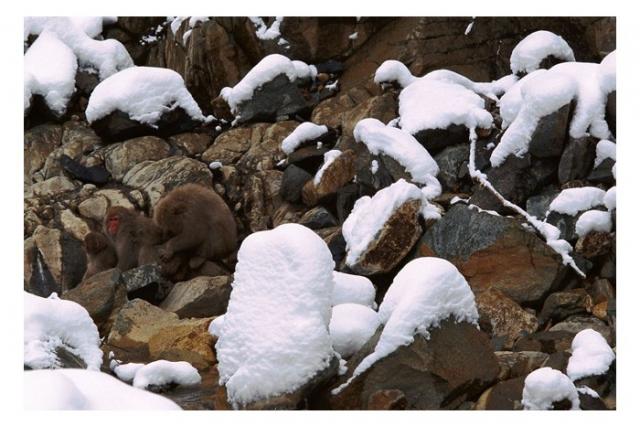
(196, 223)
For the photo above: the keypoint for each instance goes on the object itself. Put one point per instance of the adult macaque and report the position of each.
(100, 254)
(197, 224)
(134, 237)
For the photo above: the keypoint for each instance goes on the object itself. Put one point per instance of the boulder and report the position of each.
(577, 323)
(317, 218)
(493, 252)
(77, 139)
(516, 364)
(156, 178)
(53, 186)
(548, 138)
(503, 319)
(293, 180)
(94, 174)
(143, 332)
(39, 142)
(335, 176)
(264, 153)
(603, 173)
(192, 144)
(453, 366)
(563, 304)
(545, 341)
(538, 205)
(95, 207)
(229, 146)
(74, 225)
(595, 244)
(261, 199)
(577, 159)
(506, 395)
(147, 282)
(199, 298)
(121, 157)
(102, 295)
(435, 140)
(394, 241)
(453, 162)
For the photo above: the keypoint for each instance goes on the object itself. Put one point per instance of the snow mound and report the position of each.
(448, 104)
(274, 337)
(369, 215)
(350, 288)
(607, 73)
(125, 372)
(50, 71)
(145, 93)
(573, 200)
(610, 199)
(267, 33)
(351, 326)
(266, 70)
(545, 386)
(593, 221)
(303, 133)
(400, 146)
(604, 149)
(392, 71)
(54, 323)
(537, 96)
(71, 389)
(590, 355)
(529, 53)
(425, 292)
(329, 157)
(105, 56)
(215, 328)
(162, 372)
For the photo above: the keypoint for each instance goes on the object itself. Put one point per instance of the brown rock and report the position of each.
(39, 142)
(562, 304)
(516, 364)
(545, 341)
(229, 146)
(336, 175)
(121, 157)
(595, 244)
(393, 242)
(503, 318)
(454, 365)
(261, 199)
(200, 297)
(576, 324)
(389, 399)
(75, 226)
(95, 207)
(53, 186)
(506, 395)
(191, 143)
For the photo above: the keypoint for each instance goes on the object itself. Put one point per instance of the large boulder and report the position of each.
(121, 157)
(199, 298)
(335, 176)
(493, 252)
(577, 159)
(39, 142)
(453, 366)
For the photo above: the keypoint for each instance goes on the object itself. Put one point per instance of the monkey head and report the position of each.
(171, 217)
(114, 218)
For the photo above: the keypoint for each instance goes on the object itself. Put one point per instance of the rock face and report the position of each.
(493, 252)
(338, 173)
(200, 297)
(432, 374)
(144, 332)
(123, 156)
(393, 242)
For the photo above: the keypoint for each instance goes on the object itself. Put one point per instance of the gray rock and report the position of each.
(146, 282)
(603, 173)
(318, 217)
(548, 138)
(538, 205)
(200, 297)
(293, 180)
(434, 140)
(576, 324)
(562, 304)
(577, 159)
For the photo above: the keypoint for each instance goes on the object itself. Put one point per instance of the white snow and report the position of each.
(50, 71)
(162, 372)
(105, 56)
(607, 73)
(266, 70)
(215, 327)
(71, 389)
(537, 96)
(145, 93)
(55, 323)
(610, 199)
(590, 355)
(573, 200)
(125, 372)
(353, 36)
(400, 146)
(329, 157)
(370, 214)
(469, 27)
(274, 337)
(267, 33)
(350, 288)
(351, 326)
(604, 149)
(529, 53)
(374, 166)
(593, 221)
(425, 292)
(587, 391)
(215, 165)
(305, 132)
(448, 104)
(544, 386)
(392, 71)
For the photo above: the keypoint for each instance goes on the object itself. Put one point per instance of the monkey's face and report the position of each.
(113, 223)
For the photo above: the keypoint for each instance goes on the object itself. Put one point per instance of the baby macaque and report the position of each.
(101, 255)
(134, 237)
(197, 225)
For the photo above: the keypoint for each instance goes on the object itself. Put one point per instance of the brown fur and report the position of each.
(197, 223)
(101, 255)
(135, 237)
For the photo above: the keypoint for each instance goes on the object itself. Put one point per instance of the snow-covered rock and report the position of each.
(305, 132)
(573, 200)
(264, 32)
(425, 292)
(534, 48)
(274, 337)
(104, 56)
(610, 199)
(49, 71)
(604, 149)
(607, 73)
(144, 93)
(329, 157)
(593, 220)
(266, 70)
(351, 288)
(545, 386)
(71, 389)
(215, 328)
(53, 324)
(162, 372)
(351, 326)
(590, 355)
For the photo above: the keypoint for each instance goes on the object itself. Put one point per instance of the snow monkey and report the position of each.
(101, 255)
(134, 236)
(196, 224)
